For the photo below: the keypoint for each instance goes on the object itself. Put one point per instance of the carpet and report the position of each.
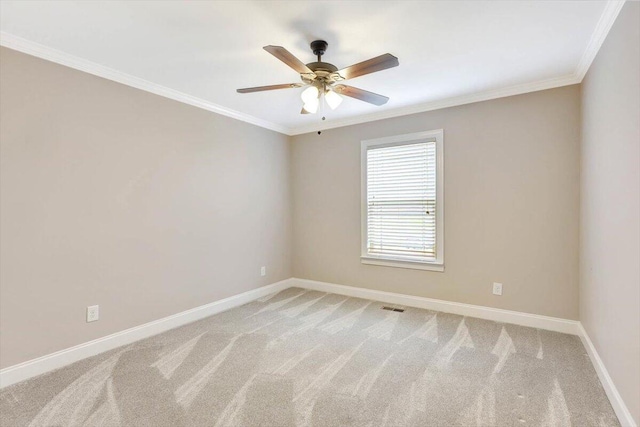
(299, 358)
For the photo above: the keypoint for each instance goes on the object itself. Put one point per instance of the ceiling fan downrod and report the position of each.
(319, 47)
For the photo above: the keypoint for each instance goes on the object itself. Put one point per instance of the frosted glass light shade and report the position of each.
(312, 105)
(309, 95)
(333, 99)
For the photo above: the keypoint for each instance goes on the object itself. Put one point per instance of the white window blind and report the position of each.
(401, 201)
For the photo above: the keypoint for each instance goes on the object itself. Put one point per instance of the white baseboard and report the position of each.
(572, 327)
(41, 365)
(495, 314)
(621, 410)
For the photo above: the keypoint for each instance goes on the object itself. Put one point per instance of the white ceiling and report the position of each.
(200, 52)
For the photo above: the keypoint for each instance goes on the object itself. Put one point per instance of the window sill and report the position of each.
(414, 265)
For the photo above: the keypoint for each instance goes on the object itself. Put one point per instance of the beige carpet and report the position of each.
(308, 358)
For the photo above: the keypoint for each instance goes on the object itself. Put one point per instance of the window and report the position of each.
(402, 201)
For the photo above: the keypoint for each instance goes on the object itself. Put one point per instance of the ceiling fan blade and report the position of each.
(287, 57)
(372, 65)
(362, 95)
(272, 87)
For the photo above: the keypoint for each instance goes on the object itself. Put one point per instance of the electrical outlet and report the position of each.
(497, 288)
(263, 271)
(93, 313)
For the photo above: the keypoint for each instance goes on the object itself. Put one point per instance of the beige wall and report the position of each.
(511, 204)
(117, 197)
(610, 205)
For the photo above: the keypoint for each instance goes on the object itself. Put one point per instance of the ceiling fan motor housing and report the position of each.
(325, 73)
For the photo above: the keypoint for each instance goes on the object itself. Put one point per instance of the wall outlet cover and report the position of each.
(93, 313)
(263, 271)
(497, 288)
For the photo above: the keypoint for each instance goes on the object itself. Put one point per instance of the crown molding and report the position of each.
(41, 51)
(608, 17)
(443, 103)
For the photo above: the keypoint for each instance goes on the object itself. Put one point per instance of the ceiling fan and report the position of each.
(323, 79)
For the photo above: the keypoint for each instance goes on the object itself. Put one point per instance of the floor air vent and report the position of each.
(400, 310)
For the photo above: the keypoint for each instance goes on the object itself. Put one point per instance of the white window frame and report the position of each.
(428, 136)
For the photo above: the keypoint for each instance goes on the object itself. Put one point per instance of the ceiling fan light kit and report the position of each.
(321, 78)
